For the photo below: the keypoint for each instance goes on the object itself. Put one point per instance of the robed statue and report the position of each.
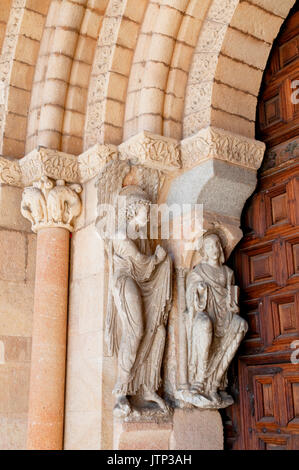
(213, 326)
(140, 298)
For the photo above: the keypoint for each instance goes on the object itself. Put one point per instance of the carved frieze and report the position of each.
(93, 160)
(51, 163)
(223, 145)
(152, 151)
(10, 172)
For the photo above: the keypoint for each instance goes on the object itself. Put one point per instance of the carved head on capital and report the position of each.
(136, 204)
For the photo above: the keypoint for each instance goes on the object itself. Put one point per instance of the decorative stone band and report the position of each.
(148, 150)
(94, 159)
(223, 145)
(51, 204)
(51, 163)
(10, 172)
(152, 151)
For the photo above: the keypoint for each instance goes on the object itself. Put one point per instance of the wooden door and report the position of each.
(265, 373)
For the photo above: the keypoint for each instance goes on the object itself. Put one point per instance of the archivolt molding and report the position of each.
(199, 90)
(223, 145)
(7, 58)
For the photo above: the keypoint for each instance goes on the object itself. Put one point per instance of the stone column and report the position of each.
(51, 208)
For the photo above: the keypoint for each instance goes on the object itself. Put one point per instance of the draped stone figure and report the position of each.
(214, 328)
(140, 298)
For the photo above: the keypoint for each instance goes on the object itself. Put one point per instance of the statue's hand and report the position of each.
(160, 253)
(201, 286)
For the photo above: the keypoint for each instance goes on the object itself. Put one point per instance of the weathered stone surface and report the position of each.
(47, 205)
(197, 430)
(221, 187)
(213, 328)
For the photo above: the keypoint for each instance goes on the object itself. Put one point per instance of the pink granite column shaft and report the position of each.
(47, 380)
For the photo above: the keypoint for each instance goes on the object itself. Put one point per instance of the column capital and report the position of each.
(48, 203)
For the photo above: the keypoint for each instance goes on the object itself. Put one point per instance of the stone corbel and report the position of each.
(219, 172)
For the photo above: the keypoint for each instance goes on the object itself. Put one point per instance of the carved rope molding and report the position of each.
(223, 145)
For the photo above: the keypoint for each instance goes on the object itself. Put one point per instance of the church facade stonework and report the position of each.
(111, 112)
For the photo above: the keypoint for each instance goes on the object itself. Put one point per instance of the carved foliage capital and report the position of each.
(51, 204)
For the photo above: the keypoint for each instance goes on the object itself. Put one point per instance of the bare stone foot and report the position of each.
(122, 407)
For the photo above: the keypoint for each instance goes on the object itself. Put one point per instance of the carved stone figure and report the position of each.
(140, 296)
(214, 328)
(46, 205)
(63, 202)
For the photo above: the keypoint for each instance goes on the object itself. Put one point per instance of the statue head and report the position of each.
(136, 204)
(212, 249)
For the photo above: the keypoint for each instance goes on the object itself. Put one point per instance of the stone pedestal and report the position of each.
(142, 436)
(196, 430)
(187, 430)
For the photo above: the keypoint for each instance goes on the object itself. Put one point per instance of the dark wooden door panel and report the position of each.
(265, 380)
(269, 402)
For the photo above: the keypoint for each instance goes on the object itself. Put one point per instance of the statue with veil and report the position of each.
(140, 293)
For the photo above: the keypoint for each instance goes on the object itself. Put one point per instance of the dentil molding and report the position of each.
(149, 150)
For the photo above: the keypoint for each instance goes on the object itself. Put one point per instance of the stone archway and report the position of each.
(119, 81)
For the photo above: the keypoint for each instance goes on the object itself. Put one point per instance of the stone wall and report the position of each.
(74, 73)
(17, 269)
(90, 374)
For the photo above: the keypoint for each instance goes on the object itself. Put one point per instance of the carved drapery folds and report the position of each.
(139, 299)
(51, 204)
(212, 326)
(214, 168)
